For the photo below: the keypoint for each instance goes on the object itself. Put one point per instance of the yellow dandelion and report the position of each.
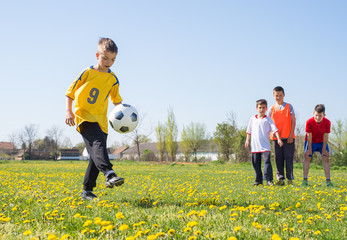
(119, 215)
(155, 225)
(160, 234)
(192, 238)
(65, 237)
(87, 223)
(275, 237)
(202, 213)
(151, 237)
(294, 238)
(123, 227)
(198, 233)
(109, 227)
(27, 232)
(232, 238)
(317, 232)
(192, 224)
(223, 207)
(52, 237)
(237, 228)
(171, 232)
(298, 205)
(130, 238)
(187, 229)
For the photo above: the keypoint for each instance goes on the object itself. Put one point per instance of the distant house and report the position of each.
(118, 153)
(85, 154)
(8, 151)
(69, 154)
(6, 146)
(132, 154)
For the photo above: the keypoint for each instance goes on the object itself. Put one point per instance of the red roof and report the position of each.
(120, 150)
(6, 145)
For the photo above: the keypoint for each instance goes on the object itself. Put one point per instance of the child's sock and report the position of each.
(108, 173)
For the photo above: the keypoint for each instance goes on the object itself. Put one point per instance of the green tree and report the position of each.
(160, 133)
(224, 136)
(195, 136)
(337, 141)
(185, 145)
(242, 154)
(80, 146)
(299, 143)
(171, 135)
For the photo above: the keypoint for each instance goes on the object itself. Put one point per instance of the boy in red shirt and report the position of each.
(317, 134)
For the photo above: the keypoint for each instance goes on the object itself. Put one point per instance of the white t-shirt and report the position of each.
(260, 129)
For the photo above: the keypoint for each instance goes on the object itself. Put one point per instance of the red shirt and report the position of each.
(317, 129)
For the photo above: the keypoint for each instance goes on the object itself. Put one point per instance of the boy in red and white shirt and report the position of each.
(317, 134)
(259, 127)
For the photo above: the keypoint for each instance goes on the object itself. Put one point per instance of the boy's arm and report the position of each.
(292, 129)
(325, 142)
(309, 145)
(115, 104)
(278, 139)
(247, 140)
(69, 119)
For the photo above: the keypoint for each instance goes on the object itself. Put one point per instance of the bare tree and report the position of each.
(67, 143)
(13, 139)
(27, 136)
(137, 137)
(54, 134)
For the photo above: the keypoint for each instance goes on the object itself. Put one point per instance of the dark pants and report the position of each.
(256, 161)
(95, 141)
(284, 154)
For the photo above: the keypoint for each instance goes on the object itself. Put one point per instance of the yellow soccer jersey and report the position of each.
(91, 91)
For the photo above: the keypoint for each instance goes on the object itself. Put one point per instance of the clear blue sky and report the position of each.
(202, 58)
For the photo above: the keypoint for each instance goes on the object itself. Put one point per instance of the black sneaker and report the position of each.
(88, 195)
(112, 180)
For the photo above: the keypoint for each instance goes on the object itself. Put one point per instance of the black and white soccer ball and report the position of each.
(123, 118)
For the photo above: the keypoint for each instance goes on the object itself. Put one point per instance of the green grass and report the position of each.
(40, 200)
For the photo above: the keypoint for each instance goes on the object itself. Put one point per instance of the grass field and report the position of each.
(41, 200)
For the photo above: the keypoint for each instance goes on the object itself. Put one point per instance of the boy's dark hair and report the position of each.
(278, 89)
(261, 102)
(320, 108)
(107, 44)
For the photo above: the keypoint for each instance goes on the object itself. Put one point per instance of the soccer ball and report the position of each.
(123, 118)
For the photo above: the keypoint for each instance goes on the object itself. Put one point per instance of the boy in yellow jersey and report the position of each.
(91, 91)
(283, 115)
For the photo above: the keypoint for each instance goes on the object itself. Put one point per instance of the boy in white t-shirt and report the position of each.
(260, 126)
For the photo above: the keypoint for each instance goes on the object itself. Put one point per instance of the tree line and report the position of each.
(227, 137)
(230, 140)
